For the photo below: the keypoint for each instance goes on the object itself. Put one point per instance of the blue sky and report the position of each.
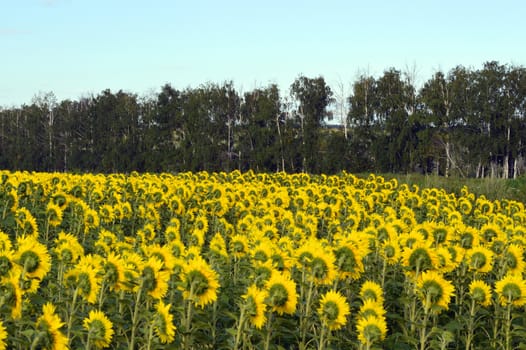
(79, 47)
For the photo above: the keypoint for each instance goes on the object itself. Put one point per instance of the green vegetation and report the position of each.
(467, 123)
(491, 188)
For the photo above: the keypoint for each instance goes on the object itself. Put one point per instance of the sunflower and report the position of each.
(513, 258)
(84, 278)
(114, 268)
(161, 252)
(511, 290)
(5, 242)
(54, 214)
(468, 237)
(173, 230)
(100, 329)
(218, 245)
(416, 236)
(11, 294)
(6, 262)
(67, 248)
(480, 259)
(33, 257)
(441, 234)
(435, 291)
(163, 323)
(419, 257)
(255, 305)
(281, 260)
(480, 292)
(3, 336)
(200, 282)
(154, 279)
(239, 246)
(197, 238)
(27, 222)
(333, 310)
(91, 218)
(106, 213)
(261, 273)
(133, 263)
(262, 251)
(491, 231)
(318, 261)
(281, 293)
(349, 258)
(372, 291)
(445, 260)
(465, 206)
(48, 325)
(371, 307)
(390, 252)
(371, 329)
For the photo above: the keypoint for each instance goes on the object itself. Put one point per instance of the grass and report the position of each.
(492, 188)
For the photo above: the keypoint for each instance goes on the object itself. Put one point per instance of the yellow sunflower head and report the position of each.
(419, 257)
(68, 249)
(218, 246)
(371, 329)
(48, 327)
(390, 252)
(239, 246)
(435, 291)
(163, 323)
(511, 290)
(162, 253)
(255, 307)
(480, 259)
(11, 294)
(281, 293)
(114, 268)
(200, 282)
(513, 259)
(84, 277)
(372, 291)
(54, 214)
(6, 262)
(371, 308)
(3, 336)
(5, 242)
(480, 292)
(33, 257)
(153, 278)
(333, 310)
(100, 329)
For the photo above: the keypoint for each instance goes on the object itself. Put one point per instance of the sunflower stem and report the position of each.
(187, 336)
(423, 331)
(135, 318)
(71, 313)
(240, 327)
(508, 326)
(268, 331)
(321, 344)
(150, 337)
(471, 322)
(305, 315)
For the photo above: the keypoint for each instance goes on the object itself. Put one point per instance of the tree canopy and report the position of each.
(469, 122)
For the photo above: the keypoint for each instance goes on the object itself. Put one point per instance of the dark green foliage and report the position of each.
(470, 123)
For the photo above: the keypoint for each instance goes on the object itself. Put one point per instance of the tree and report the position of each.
(313, 96)
(363, 122)
(395, 144)
(259, 140)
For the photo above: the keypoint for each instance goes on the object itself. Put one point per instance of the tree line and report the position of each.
(467, 122)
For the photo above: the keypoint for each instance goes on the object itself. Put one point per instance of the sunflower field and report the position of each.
(256, 261)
